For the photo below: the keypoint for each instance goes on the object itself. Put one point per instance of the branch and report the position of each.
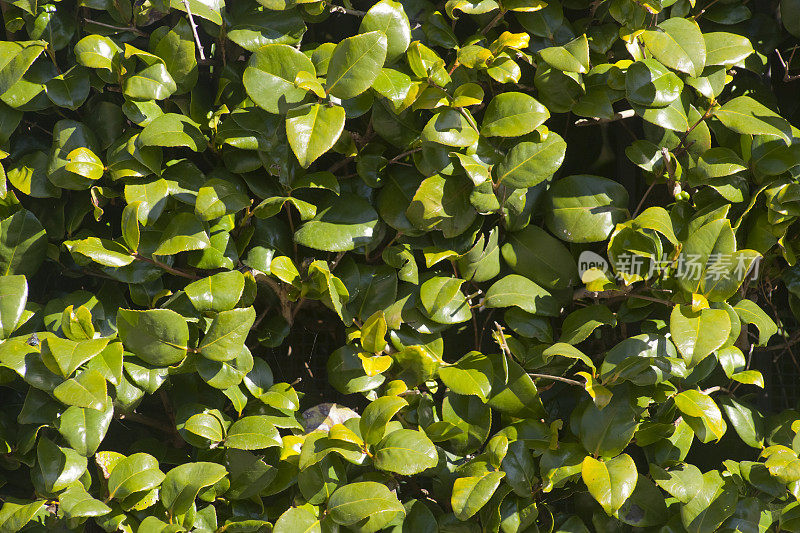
(627, 113)
(558, 378)
(397, 158)
(493, 22)
(194, 29)
(681, 146)
(133, 29)
(164, 266)
(641, 202)
(786, 65)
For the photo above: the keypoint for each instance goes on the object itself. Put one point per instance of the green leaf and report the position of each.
(70, 89)
(750, 313)
(13, 297)
(270, 74)
(172, 130)
(702, 414)
(442, 202)
(471, 493)
(96, 51)
(136, 473)
(790, 15)
(535, 254)
(405, 452)
(529, 163)
(713, 504)
(207, 9)
(377, 415)
(513, 114)
(57, 467)
(610, 482)
(313, 130)
(571, 57)
(373, 333)
(683, 481)
(183, 233)
(158, 336)
(450, 128)
(513, 391)
(390, 18)
(749, 117)
(443, 301)
(584, 208)
(367, 505)
(64, 356)
(519, 467)
(252, 433)
(579, 324)
(515, 290)
(153, 82)
(606, 432)
(558, 466)
(14, 516)
(698, 334)
(183, 483)
(87, 389)
(77, 503)
(648, 83)
(84, 429)
(225, 338)
(102, 251)
(16, 57)
(23, 244)
(470, 375)
(256, 29)
(355, 63)
(747, 421)
(219, 197)
(216, 293)
(678, 43)
(297, 520)
(72, 162)
(723, 48)
(346, 223)
(177, 48)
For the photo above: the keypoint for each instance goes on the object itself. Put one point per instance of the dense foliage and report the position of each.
(549, 251)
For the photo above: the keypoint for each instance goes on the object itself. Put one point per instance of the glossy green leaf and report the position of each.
(513, 114)
(157, 336)
(356, 62)
(678, 43)
(313, 130)
(610, 482)
(405, 452)
(182, 484)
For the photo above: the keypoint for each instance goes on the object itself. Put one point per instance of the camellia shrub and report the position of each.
(465, 266)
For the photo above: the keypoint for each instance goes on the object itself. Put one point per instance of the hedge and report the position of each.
(465, 266)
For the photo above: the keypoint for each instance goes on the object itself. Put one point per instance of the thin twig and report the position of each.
(787, 65)
(627, 113)
(339, 164)
(700, 14)
(558, 378)
(641, 202)
(194, 29)
(166, 267)
(397, 158)
(493, 22)
(681, 146)
(132, 29)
